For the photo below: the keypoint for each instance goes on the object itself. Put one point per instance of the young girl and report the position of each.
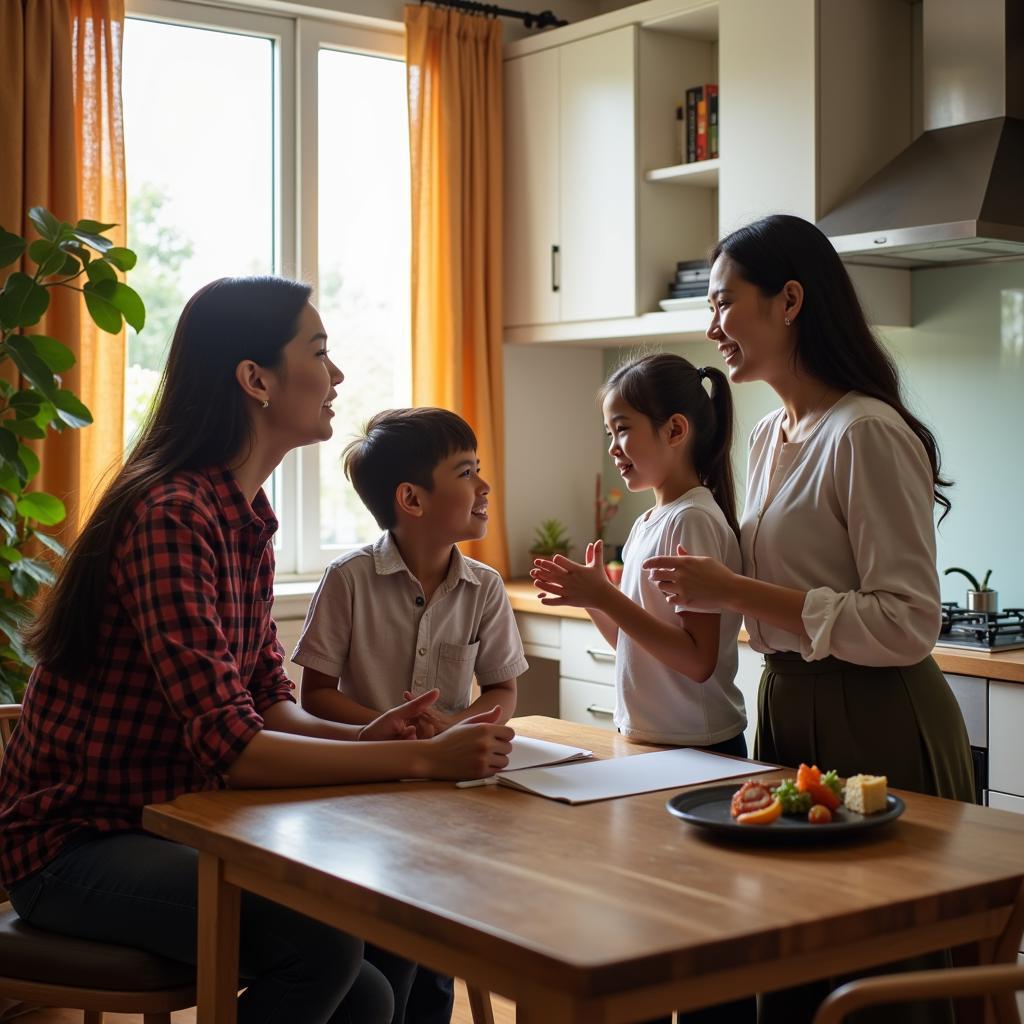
(674, 669)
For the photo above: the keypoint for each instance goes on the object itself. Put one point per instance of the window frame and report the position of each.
(297, 40)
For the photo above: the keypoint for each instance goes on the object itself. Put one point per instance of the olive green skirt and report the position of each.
(901, 722)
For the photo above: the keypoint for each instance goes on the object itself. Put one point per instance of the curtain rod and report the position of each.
(545, 19)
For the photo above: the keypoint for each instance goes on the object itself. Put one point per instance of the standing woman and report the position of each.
(841, 590)
(160, 671)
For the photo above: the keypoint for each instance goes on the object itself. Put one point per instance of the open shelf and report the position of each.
(687, 324)
(699, 174)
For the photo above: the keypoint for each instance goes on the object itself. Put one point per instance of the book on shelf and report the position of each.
(701, 123)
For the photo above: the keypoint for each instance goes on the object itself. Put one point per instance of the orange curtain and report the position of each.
(454, 77)
(62, 138)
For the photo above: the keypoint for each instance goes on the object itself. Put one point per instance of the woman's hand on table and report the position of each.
(475, 748)
(401, 723)
(695, 581)
(429, 722)
(565, 582)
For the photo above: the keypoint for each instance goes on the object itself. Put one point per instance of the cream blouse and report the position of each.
(846, 515)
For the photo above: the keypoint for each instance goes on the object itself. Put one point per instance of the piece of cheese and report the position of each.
(866, 794)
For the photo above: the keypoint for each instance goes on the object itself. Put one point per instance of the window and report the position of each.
(217, 186)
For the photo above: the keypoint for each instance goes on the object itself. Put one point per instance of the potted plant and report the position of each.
(550, 539)
(981, 598)
(78, 257)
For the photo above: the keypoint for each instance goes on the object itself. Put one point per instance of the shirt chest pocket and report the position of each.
(454, 674)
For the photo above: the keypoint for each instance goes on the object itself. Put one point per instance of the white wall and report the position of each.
(553, 446)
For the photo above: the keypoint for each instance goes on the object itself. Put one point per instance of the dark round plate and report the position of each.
(710, 808)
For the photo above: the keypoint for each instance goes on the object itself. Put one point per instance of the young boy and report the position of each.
(410, 612)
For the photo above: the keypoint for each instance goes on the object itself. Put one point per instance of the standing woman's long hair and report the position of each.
(200, 419)
(834, 342)
(661, 385)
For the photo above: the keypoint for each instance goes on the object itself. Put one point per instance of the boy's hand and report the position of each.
(400, 723)
(692, 580)
(430, 722)
(565, 582)
(472, 749)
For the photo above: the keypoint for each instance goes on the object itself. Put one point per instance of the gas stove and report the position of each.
(981, 631)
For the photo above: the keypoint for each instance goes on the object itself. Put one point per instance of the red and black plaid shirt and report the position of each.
(186, 660)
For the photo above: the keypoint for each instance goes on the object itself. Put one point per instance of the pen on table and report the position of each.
(469, 783)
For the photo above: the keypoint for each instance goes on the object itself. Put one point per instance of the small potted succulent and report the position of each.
(550, 539)
(981, 597)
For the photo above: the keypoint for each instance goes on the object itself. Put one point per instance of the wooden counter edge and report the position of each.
(1007, 667)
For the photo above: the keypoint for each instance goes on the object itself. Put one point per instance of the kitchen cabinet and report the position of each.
(586, 687)
(1005, 752)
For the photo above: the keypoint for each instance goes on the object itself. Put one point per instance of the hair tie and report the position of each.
(702, 372)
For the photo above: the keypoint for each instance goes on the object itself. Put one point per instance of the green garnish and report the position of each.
(792, 800)
(831, 779)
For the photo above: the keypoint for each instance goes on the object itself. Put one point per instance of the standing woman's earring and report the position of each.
(787, 322)
(265, 404)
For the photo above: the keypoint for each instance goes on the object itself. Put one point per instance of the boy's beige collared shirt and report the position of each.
(368, 624)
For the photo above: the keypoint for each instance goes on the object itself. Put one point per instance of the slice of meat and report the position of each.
(751, 796)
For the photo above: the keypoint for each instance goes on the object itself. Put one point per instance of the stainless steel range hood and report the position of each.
(956, 194)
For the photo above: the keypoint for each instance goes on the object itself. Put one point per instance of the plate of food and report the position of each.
(814, 806)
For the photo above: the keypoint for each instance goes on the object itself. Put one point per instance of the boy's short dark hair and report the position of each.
(398, 446)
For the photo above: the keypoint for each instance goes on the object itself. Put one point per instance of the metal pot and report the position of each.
(983, 601)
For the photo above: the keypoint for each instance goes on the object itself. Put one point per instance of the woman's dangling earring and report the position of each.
(265, 404)
(787, 322)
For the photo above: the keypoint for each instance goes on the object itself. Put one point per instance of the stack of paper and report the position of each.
(530, 753)
(625, 776)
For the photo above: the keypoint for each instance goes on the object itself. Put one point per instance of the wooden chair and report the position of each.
(999, 982)
(94, 976)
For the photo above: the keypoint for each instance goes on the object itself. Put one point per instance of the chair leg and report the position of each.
(480, 1005)
(92, 1017)
(156, 1018)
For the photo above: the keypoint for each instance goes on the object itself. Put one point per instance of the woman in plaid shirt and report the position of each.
(160, 671)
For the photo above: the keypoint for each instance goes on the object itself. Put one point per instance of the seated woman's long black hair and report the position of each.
(200, 419)
(834, 342)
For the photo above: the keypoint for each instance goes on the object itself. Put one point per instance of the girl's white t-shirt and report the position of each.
(652, 701)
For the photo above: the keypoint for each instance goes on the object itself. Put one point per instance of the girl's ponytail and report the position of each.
(713, 452)
(661, 385)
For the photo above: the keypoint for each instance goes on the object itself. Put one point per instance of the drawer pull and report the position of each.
(596, 709)
(598, 655)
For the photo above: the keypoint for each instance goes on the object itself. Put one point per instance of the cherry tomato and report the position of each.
(819, 814)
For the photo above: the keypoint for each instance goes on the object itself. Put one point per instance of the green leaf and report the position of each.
(45, 223)
(6, 388)
(130, 304)
(22, 302)
(9, 528)
(9, 554)
(39, 571)
(11, 247)
(43, 508)
(5, 573)
(31, 366)
(57, 356)
(26, 428)
(98, 242)
(94, 227)
(8, 479)
(99, 302)
(29, 460)
(8, 443)
(70, 267)
(123, 259)
(76, 249)
(20, 470)
(26, 403)
(51, 542)
(71, 410)
(48, 255)
(6, 505)
(46, 416)
(25, 585)
(99, 270)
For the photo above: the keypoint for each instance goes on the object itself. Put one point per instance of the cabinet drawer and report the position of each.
(1005, 723)
(971, 694)
(1005, 802)
(585, 654)
(542, 630)
(586, 703)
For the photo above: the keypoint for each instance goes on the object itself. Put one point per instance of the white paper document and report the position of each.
(625, 776)
(530, 753)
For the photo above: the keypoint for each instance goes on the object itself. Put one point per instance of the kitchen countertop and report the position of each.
(1007, 666)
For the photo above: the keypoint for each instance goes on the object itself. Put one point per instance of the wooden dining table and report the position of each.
(611, 911)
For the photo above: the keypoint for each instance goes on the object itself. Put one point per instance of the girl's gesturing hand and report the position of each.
(564, 581)
(401, 723)
(430, 722)
(691, 580)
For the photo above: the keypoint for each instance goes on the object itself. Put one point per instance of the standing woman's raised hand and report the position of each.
(692, 580)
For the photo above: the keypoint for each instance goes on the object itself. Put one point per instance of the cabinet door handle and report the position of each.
(556, 268)
(598, 655)
(596, 709)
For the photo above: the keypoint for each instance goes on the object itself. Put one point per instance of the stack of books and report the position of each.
(691, 281)
(701, 123)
